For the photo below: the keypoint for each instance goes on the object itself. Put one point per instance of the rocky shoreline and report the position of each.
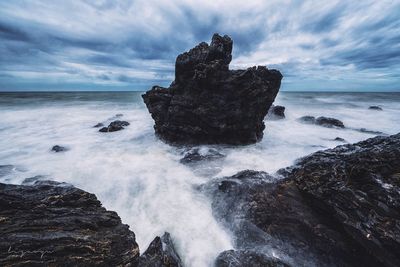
(337, 207)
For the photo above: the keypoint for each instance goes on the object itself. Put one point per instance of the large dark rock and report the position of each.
(52, 224)
(210, 104)
(114, 126)
(358, 188)
(160, 253)
(338, 207)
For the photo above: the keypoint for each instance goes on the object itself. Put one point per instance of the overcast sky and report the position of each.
(132, 45)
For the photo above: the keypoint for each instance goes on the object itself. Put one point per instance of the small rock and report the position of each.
(363, 130)
(160, 253)
(339, 139)
(329, 122)
(195, 156)
(119, 115)
(375, 108)
(307, 119)
(276, 112)
(58, 148)
(322, 121)
(114, 126)
(98, 125)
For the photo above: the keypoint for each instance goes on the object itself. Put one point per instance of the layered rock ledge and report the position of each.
(209, 104)
(338, 207)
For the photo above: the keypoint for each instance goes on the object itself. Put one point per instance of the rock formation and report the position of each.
(160, 253)
(276, 112)
(338, 207)
(210, 104)
(58, 148)
(114, 126)
(52, 224)
(322, 121)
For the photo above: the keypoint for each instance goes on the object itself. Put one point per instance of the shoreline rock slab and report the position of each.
(209, 104)
(337, 207)
(276, 112)
(53, 224)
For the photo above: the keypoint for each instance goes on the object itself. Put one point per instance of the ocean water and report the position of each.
(140, 177)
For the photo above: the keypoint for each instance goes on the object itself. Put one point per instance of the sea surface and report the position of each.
(140, 177)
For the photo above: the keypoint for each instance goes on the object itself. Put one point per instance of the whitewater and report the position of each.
(135, 174)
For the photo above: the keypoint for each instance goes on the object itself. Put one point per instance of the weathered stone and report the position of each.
(58, 148)
(114, 126)
(246, 258)
(160, 253)
(375, 108)
(210, 104)
(53, 224)
(276, 112)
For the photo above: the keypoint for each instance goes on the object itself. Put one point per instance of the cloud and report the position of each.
(122, 43)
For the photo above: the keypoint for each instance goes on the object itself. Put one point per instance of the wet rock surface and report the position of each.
(210, 104)
(160, 253)
(196, 155)
(276, 112)
(322, 121)
(58, 148)
(53, 224)
(338, 207)
(246, 258)
(114, 126)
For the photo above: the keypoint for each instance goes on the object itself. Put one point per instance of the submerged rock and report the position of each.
(340, 139)
(338, 207)
(58, 148)
(375, 108)
(52, 224)
(98, 125)
(322, 121)
(247, 258)
(160, 253)
(276, 112)
(210, 104)
(196, 155)
(114, 126)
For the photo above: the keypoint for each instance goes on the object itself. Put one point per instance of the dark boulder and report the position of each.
(338, 207)
(247, 258)
(160, 253)
(58, 148)
(276, 112)
(210, 104)
(364, 130)
(329, 122)
(322, 121)
(52, 224)
(358, 188)
(375, 108)
(114, 126)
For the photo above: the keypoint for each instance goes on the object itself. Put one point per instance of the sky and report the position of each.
(132, 45)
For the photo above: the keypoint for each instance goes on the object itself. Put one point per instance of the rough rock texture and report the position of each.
(52, 224)
(210, 104)
(196, 155)
(160, 253)
(338, 207)
(322, 121)
(358, 186)
(114, 126)
(276, 112)
(58, 148)
(98, 125)
(245, 258)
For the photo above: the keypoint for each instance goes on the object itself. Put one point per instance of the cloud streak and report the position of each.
(133, 44)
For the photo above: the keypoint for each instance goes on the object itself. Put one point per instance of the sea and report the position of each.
(141, 178)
